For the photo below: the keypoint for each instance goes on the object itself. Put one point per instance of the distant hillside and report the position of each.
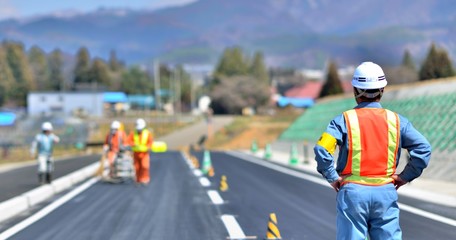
(301, 33)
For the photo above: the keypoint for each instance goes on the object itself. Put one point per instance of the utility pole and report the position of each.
(157, 84)
(178, 91)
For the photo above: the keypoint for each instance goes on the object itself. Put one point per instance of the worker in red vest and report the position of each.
(115, 141)
(365, 179)
(140, 141)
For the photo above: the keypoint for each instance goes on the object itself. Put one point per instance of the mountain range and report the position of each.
(293, 33)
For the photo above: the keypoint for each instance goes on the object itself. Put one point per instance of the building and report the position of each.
(65, 103)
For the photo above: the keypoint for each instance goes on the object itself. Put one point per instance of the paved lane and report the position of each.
(304, 209)
(173, 206)
(20, 180)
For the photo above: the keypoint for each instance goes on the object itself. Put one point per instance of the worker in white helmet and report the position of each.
(140, 141)
(115, 141)
(370, 139)
(44, 143)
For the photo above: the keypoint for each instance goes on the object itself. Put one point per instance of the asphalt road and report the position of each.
(176, 206)
(173, 206)
(20, 180)
(304, 209)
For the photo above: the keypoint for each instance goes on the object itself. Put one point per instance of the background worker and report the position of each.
(115, 141)
(370, 139)
(44, 143)
(140, 141)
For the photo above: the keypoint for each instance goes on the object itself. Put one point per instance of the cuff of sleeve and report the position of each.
(332, 180)
(332, 177)
(406, 177)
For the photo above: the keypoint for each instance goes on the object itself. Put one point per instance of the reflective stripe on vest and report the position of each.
(141, 145)
(373, 139)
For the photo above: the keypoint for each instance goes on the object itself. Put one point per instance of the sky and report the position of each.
(30, 8)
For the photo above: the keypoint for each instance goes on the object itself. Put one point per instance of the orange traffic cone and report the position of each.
(273, 230)
(211, 173)
(195, 162)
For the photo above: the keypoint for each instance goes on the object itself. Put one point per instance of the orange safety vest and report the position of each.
(140, 145)
(373, 143)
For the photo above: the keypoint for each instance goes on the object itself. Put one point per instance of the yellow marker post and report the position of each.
(223, 184)
(273, 230)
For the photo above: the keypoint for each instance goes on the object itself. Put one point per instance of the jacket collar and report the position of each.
(369, 105)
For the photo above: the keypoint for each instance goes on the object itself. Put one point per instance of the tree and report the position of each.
(232, 63)
(98, 73)
(407, 61)
(400, 75)
(165, 81)
(82, 68)
(6, 78)
(186, 86)
(21, 72)
(258, 69)
(236, 93)
(56, 79)
(136, 81)
(445, 66)
(39, 66)
(114, 64)
(436, 65)
(332, 85)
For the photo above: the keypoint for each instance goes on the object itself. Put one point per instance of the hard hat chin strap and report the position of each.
(364, 93)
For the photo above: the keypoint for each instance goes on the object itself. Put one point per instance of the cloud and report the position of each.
(7, 10)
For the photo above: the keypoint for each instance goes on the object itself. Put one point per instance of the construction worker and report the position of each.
(115, 141)
(140, 141)
(370, 139)
(44, 142)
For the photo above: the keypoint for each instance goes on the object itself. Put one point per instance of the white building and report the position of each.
(46, 103)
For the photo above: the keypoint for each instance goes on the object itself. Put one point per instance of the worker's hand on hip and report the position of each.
(398, 181)
(336, 184)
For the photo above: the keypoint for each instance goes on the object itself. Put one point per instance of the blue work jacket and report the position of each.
(417, 145)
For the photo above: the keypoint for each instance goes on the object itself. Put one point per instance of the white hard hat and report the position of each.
(46, 126)
(115, 125)
(369, 75)
(140, 124)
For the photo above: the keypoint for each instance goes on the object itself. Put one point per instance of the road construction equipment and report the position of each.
(122, 168)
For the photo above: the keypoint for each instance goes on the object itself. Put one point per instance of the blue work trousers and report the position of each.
(367, 210)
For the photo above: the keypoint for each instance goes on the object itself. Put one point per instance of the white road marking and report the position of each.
(280, 169)
(425, 214)
(231, 225)
(215, 197)
(48, 209)
(197, 172)
(204, 182)
(187, 160)
(233, 228)
(322, 182)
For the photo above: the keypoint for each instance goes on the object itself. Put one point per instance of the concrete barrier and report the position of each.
(61, 184)
(38, 194)
(16, 205)
(76, 177)
(12, 207)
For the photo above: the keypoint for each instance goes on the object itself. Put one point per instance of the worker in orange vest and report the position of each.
(115, 141)
(369, 139)
(140, 141)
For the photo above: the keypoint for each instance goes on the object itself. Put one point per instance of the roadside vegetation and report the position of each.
(262, 129)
